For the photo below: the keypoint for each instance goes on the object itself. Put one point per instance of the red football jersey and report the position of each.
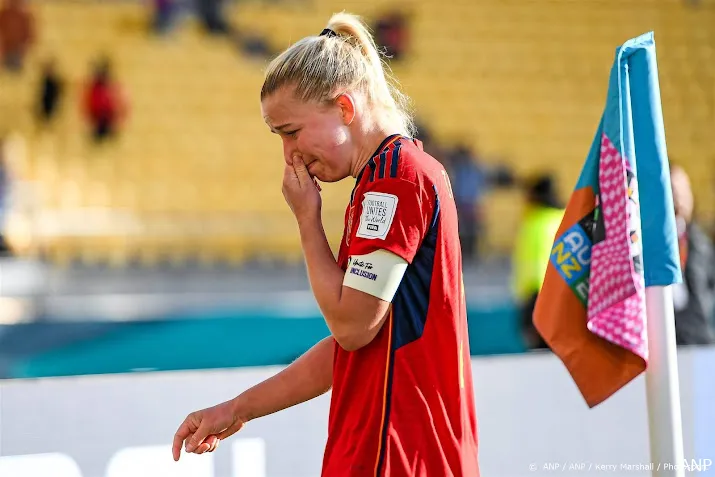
(404, 404)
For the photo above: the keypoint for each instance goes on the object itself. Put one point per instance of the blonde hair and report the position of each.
(321, 67)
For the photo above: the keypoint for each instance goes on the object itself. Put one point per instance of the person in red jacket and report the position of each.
(397, 358)
(17, 33)
(104, 104)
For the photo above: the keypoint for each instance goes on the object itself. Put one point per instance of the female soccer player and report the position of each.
(398, 357)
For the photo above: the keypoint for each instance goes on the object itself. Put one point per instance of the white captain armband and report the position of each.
(378, 273)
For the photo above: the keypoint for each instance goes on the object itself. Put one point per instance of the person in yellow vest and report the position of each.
(542, 216)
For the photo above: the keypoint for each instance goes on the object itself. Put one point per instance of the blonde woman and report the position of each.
(398, 359)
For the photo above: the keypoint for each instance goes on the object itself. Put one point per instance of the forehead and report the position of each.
(282, 106)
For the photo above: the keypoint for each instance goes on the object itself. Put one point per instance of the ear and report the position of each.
(347, 106)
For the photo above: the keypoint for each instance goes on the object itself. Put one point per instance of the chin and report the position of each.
(327, 177)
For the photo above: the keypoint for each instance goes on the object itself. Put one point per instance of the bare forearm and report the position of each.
(353, 317)
(324, 274)
(306, 378)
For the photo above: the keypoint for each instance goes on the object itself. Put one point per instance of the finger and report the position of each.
(213, 442)
(204, 447)
(232, 429)
(181, 434)
(187, 442)
(198, 438)
(289, 178)
(301, 171)
(288, 173)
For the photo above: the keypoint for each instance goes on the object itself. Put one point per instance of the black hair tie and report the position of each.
(328, 32)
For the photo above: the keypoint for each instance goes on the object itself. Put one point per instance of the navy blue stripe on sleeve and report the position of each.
(383, 165)
(395, 159)
(373, 166)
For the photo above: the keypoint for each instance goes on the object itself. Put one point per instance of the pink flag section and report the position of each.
(616, 299)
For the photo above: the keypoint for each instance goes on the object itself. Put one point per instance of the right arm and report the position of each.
(308, 377)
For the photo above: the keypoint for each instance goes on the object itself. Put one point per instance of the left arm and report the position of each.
(356, 304)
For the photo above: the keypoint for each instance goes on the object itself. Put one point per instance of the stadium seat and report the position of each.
(196, 174)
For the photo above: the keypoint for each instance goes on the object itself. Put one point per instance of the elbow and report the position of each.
(353, 330)
(350, 340)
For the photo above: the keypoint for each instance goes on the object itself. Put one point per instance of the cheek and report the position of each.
(336, 143)
(327, 146)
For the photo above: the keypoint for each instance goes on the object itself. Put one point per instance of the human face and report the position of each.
(682, 193)
(318, 133)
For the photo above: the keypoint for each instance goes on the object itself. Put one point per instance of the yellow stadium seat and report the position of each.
(521, 80)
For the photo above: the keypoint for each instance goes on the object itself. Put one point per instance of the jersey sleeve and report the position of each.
(392, 215)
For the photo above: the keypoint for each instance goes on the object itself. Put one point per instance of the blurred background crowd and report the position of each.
(136, 171)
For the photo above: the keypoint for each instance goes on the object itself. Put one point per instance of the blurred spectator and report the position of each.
(541, 220)
(252, 44)
(164, 12)
(501, 175)
(50, 93)
(430, 145)
(468, 185)
(17, 32)
(391, 34)
(103, 102)
(211, 14)
(693, 299)
(4, 196)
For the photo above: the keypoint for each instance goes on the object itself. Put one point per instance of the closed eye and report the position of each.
(291, 133)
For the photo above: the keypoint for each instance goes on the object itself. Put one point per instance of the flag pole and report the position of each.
(662, 386)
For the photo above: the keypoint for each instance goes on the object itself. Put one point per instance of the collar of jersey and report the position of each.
(386, 142)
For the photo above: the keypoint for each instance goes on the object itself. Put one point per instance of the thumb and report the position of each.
(301, 171)
(201, 433)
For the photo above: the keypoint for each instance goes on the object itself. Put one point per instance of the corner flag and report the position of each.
(617, 237)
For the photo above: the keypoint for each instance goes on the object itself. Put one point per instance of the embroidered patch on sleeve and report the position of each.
(378, 211)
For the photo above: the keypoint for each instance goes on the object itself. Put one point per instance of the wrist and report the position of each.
(241, 409)
(309, 222)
